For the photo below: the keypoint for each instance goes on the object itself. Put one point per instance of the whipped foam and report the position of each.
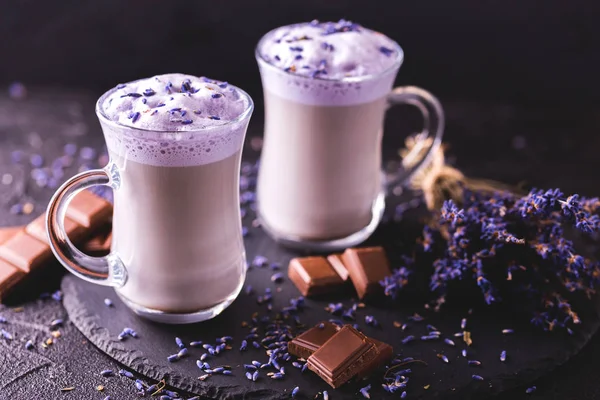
(328, 63)
(329, 50)
(174, 102)
(181, 120)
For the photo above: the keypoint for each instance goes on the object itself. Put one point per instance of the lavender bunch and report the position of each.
(511, 247)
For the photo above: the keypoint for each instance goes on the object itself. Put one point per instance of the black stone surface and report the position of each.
(546, 146)
(531, 353)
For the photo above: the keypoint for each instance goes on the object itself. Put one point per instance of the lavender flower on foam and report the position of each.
(511, 247)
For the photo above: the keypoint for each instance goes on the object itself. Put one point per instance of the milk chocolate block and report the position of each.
(9, 276)
(338, 265)
(89, 210)
(385, 354)
(24, 252)
(305, 344)
(8, 232)
(346, 354)
(37, 229)
(314, 275)
(99, 245)
(366, 266)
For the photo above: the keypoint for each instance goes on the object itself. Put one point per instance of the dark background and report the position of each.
(502, 50)
(518, 80)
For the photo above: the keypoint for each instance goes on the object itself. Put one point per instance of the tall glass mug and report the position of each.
(175, 145)
(326, 89)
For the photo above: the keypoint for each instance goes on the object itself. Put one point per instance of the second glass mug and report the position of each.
(320, 184)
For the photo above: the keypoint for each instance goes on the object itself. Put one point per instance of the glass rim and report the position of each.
(351, 79)
(116, 124)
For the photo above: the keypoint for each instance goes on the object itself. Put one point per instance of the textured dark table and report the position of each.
(543, 146)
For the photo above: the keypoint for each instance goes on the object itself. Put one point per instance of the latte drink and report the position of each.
(325, 88)
(175, 142)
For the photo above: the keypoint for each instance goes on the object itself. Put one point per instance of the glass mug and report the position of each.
(177, 251)
(320, 184)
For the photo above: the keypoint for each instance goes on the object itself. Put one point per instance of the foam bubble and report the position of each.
(328, 63)
(183, 121)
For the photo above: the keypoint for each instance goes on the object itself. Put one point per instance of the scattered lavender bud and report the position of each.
(125, 373)
(6, 335)
(408, 339)
(108, 302)
(443, 358)
(531, 390)
(179, 343)
(277, 277)
(477, 377)
(260, 261)
(56, 322)
(503, 356)
(507, 331)
(196, 344)
(17, 91)
(295, 391)
(325, 395)
(249, 376)
(464, 353)
(256, 345)
(370, 320)
(182, 353)
(107, 372)
(474, 363)
(36, 160)
(255, 376)
(88, 153)
(449, 342)
(29, 345)
(244, 345)
(365, 391)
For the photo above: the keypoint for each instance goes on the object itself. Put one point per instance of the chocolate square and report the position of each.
(342, 357)
(89, 210)
(314, 275)
(37, 229)
(366, 266)
(305, 344)
(24, 252)
(338, 265)
(9, 276)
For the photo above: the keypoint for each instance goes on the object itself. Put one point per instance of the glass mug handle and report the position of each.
(433, 128)
(108, 270)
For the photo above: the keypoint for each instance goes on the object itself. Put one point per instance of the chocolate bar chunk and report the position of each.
(343, 356)
(37, 229)
(366, 266)
(24, 252)
(338, 265)
(385, 354)
(305, 344)
(9, 276)
(8, 232)
(314, 275)
(99, 245)
(89, 210)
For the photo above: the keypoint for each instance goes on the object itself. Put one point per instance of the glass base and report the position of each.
(181, 318)
(351, 240)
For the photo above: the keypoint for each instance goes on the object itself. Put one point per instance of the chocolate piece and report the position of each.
(8, 232)
(24, 251)
(386, 352)
(314, 275)
(99, 245)
(305, 344)
(9, 276)
(89, 210)
(37, 229)
(343, 356)
(338, 265)
(366, 266)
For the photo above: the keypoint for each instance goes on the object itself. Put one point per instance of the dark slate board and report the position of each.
(531, 353)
